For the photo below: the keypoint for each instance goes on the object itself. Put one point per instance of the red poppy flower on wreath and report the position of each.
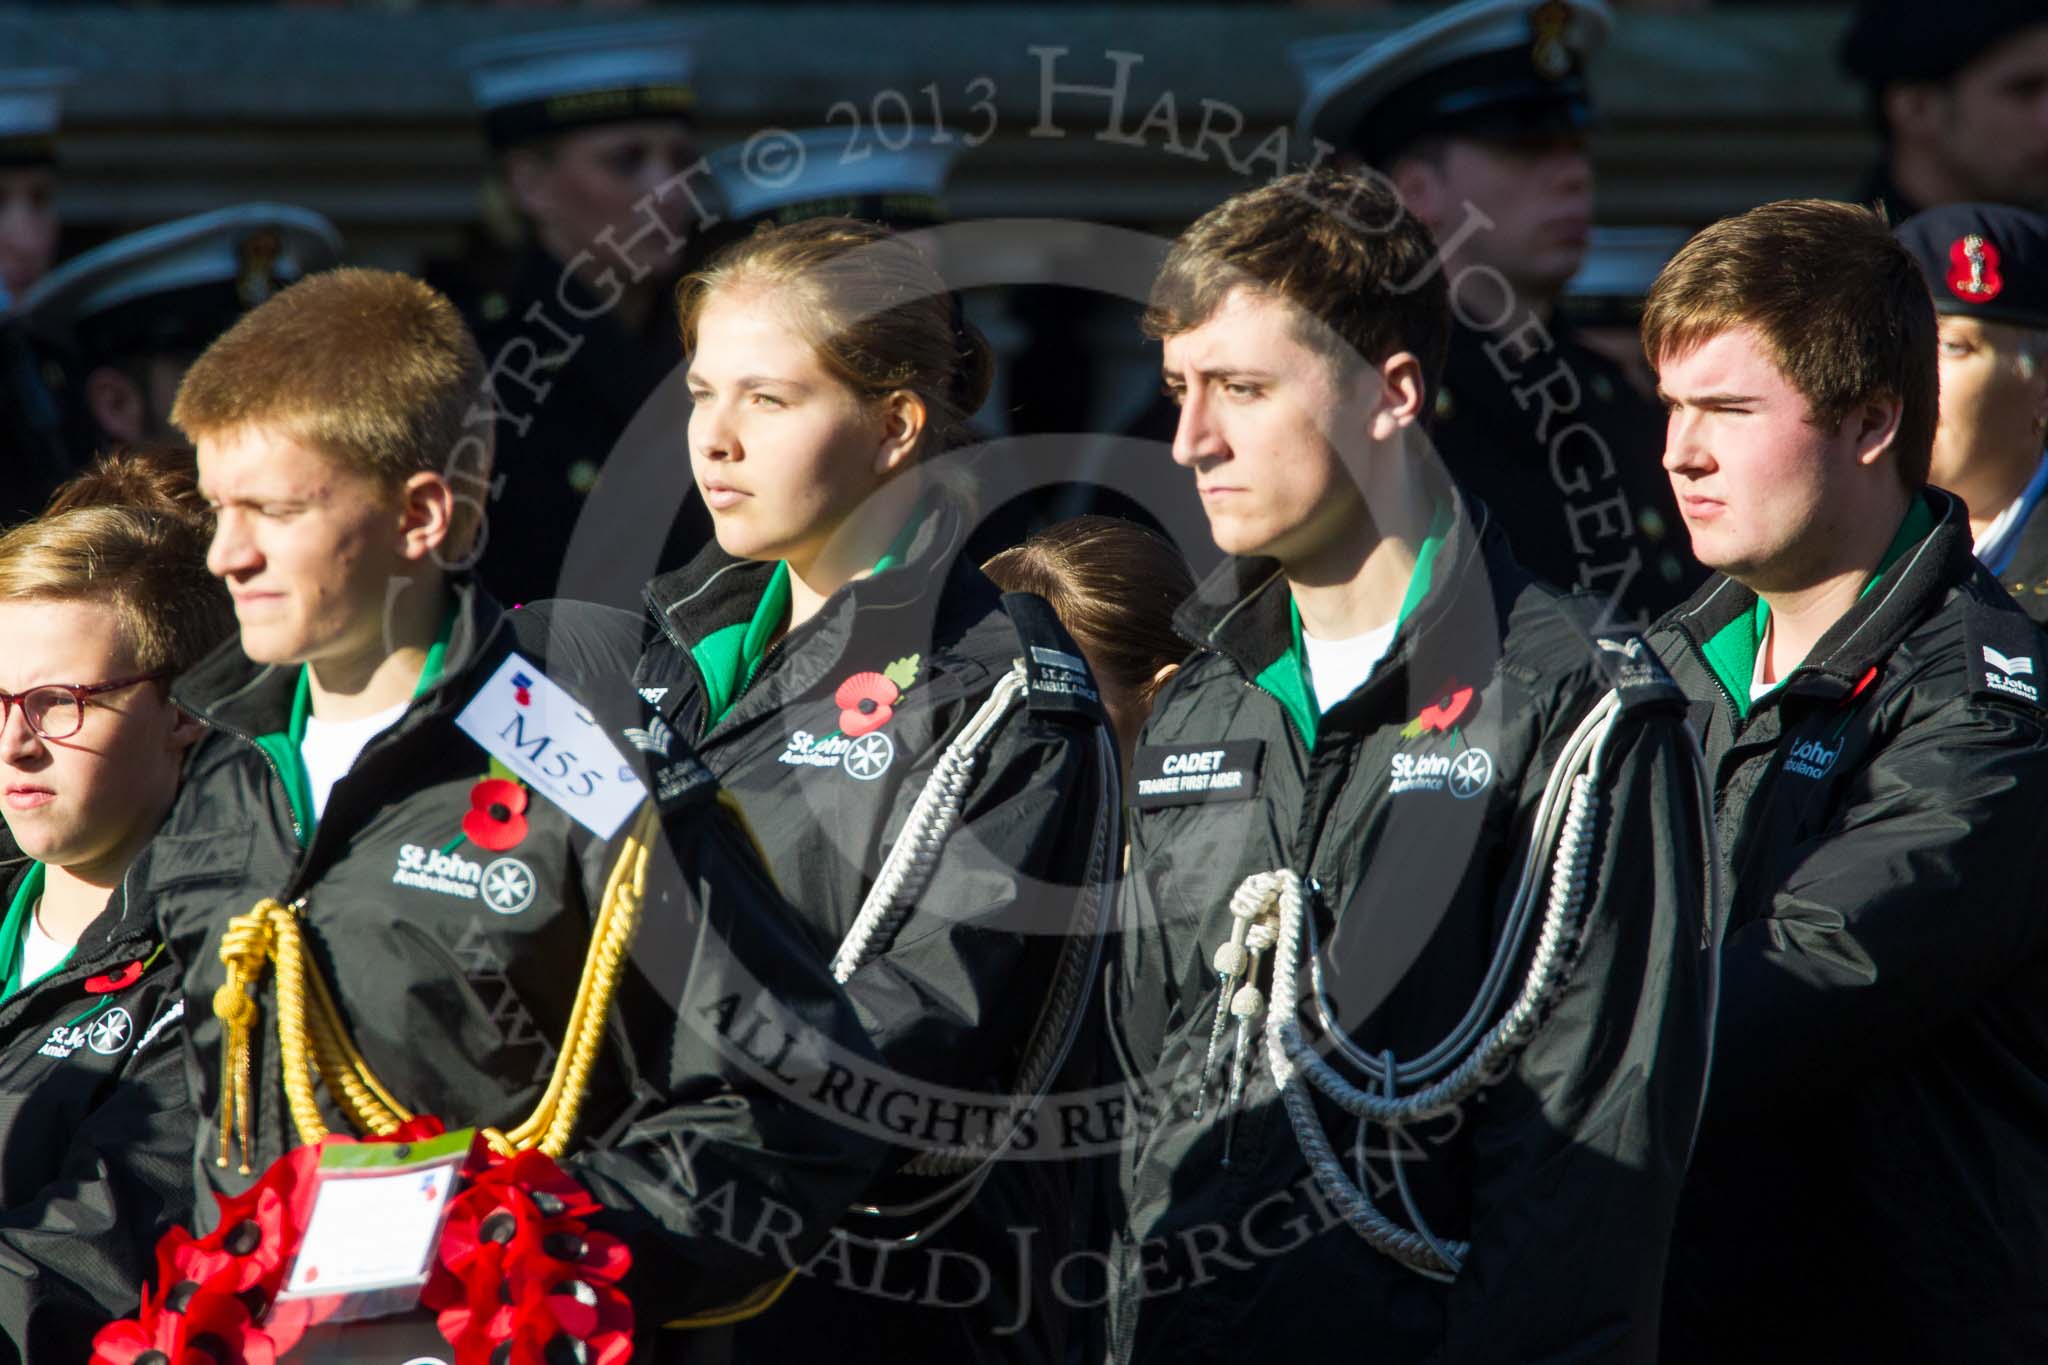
(497, 814)
(519, 1268)
(185, 1328)
(1440, 715)
(215, 1301)
(866, 702)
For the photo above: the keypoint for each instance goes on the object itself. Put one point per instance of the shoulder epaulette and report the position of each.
(1057, 677)
(2004, 651)
(1633, 669)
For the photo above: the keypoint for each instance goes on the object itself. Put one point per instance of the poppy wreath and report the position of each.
(518, 1270)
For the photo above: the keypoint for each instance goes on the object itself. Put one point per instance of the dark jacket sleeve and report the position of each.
(1580, 1148)
(955, 998)
(1923, 891)
(727, 1170)
(75, 1254)
(733, 1165)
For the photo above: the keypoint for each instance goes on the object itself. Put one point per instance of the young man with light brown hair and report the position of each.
(102, 599)
(1870, 1180)
(381, 756)
(1360, 1151)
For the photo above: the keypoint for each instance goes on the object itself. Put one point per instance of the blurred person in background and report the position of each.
(102, 599)
(1959, 96)
(128, 318)
(1479, 116)
(29, 107)
(1603, 304)
(32, 446)
(1987, 266)
(595, 147)
(1115, 586)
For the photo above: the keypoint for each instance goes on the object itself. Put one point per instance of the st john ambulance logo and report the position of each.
(2010, 674)
(654, 739)
(509, 886)
(869, 756)
(864, 759)
(1812, 759)
(1463, 774)
(110, 1032)
(106, 1035)
(429, 869)
(1471, 772)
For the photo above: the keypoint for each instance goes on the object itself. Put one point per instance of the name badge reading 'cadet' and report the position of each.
(1189, 774)
(524, 719)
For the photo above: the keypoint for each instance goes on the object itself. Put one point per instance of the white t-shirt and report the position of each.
(1337, 667)
(331, 748)
(1758, 688)
(40, 953)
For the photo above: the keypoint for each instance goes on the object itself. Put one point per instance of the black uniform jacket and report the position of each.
(1566, 452)
(94, 1135)
(455, 969)
(1872, 1177)
(955, 1000)
(1408, 821)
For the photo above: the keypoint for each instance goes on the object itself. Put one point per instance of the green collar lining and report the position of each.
(1732, 651)
(1287, 677)
(14, 932)
(283, 748)
(729, 657)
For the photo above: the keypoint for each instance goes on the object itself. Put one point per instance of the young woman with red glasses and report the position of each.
(102, 599)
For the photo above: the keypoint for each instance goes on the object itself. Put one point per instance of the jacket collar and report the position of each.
(1243, 611)
(1901, 597)
(229, 691)
(897, 609)
(122, 922)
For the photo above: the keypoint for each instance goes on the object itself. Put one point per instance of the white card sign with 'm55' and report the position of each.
(526, 721)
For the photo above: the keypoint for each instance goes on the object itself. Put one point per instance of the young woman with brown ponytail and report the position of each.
(849, 676)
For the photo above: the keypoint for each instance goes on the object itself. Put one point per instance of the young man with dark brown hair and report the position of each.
(1870, 1180)
(1360, 776)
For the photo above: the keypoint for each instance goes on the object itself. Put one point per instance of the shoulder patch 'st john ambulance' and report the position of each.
(2004, 656)
(1190, 774)
(1056, 677)
(1636, 673)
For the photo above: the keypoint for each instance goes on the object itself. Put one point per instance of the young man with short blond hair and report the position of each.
(1870, 1176)
(347, 773)
(1345, 784)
